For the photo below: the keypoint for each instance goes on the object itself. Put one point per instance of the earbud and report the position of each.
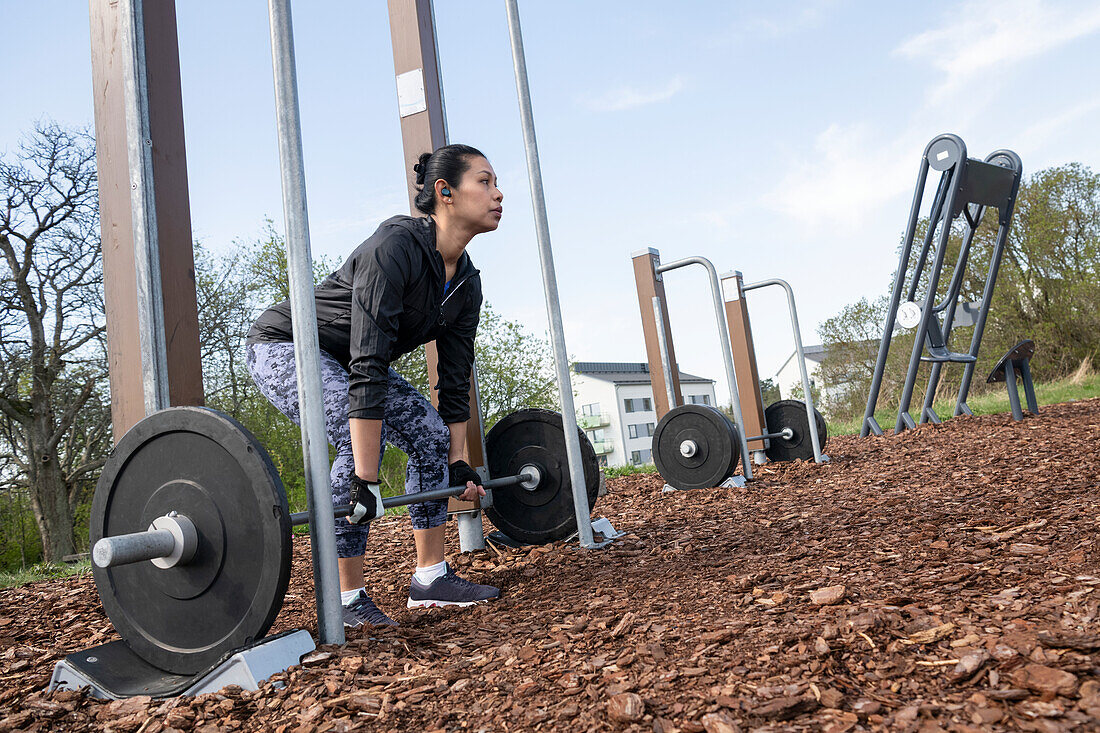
(445, 191)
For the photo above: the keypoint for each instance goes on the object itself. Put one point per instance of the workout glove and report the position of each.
(460, 472)
(366, 499)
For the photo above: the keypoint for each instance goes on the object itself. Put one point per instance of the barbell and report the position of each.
(190, 526)
(697, 446)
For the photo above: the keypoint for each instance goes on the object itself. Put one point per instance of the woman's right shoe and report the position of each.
(449, 590)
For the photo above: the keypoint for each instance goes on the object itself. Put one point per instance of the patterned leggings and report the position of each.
(410, 423)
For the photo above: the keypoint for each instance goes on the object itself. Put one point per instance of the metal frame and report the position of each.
(800, 354)
(550, 286)
(727, 350)
(960, 191)
(307, 349)
(143, 207)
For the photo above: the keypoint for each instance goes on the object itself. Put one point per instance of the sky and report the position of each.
(780, 139)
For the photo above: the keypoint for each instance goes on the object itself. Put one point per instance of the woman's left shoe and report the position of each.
(449, 590)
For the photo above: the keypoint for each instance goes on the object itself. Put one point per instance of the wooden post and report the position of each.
(177, 263)
(744, 357)
(423, 129)
(651, 285)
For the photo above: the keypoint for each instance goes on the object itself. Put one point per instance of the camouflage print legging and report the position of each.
(410, 423)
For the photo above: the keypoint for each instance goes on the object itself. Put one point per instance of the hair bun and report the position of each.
(421, 168)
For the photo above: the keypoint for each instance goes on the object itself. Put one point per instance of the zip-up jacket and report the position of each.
(382, 303)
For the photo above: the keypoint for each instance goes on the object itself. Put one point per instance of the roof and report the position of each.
(630, 372)
(815, 353)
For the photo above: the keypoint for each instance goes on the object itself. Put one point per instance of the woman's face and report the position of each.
(476, 200)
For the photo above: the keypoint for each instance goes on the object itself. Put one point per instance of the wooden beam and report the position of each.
(651, 285)
(177, 264)
(744, 357)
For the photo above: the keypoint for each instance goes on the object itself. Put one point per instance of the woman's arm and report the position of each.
(366, 438)
(458, 442)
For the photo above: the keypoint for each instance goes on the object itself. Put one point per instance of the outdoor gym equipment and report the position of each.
(191, 534)
(1016, 361)
(128, 670)
(967, 186)
(690, 443)
(786, 430)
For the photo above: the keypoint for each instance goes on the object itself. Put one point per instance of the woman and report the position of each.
(411, 282)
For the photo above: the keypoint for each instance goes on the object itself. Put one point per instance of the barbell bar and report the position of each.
(171, 540)
(527, 478)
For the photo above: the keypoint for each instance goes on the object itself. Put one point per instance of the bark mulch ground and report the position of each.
(943, 579)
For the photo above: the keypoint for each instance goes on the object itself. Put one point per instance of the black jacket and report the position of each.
(382, 303)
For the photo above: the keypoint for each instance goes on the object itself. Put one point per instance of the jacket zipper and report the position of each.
(448, 297)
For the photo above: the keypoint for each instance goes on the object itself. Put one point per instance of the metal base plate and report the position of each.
(112, 671)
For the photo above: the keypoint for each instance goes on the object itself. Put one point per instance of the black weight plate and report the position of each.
(544, 514)
(717, 447)
(792, 414)
(207, 466)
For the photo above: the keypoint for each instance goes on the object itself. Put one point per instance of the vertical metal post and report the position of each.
(905, 420)
(800, 355)
(143, 206)
(744, 362)
(869, 423)
(666, 362)
(550, 284)
(1013, 390)
(1008, 159)
(1029, 386)
(307, 350)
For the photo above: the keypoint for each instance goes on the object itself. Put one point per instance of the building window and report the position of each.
(641, 430)
(592, 409)
(649, 428)
(596, 436)
(638, 457)
(638, 404)
(699, 399)
(602, 460)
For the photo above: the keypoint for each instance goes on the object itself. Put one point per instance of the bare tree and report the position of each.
(54, 422)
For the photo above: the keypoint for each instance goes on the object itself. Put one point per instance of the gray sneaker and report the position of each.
(449, 590)
(361, 611)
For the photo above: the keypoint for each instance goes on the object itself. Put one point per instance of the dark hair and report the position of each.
(449, 163)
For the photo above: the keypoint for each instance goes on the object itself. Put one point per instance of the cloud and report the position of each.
(771, 21)
(848, 173)
(987, 35)
(624, 98)
(1044, 130)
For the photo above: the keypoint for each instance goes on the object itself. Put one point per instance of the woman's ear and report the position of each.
(442, 191)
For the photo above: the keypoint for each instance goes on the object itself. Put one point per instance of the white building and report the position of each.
(616, 411)
(789, 376)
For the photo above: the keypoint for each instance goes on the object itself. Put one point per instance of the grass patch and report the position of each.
(616, 471)
(991, 401)
(43, 571)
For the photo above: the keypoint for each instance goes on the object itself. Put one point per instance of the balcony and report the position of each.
(591, 422)
(603, 447)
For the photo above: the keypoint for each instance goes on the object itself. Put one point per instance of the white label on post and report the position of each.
(729, 289)
(410, 92)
